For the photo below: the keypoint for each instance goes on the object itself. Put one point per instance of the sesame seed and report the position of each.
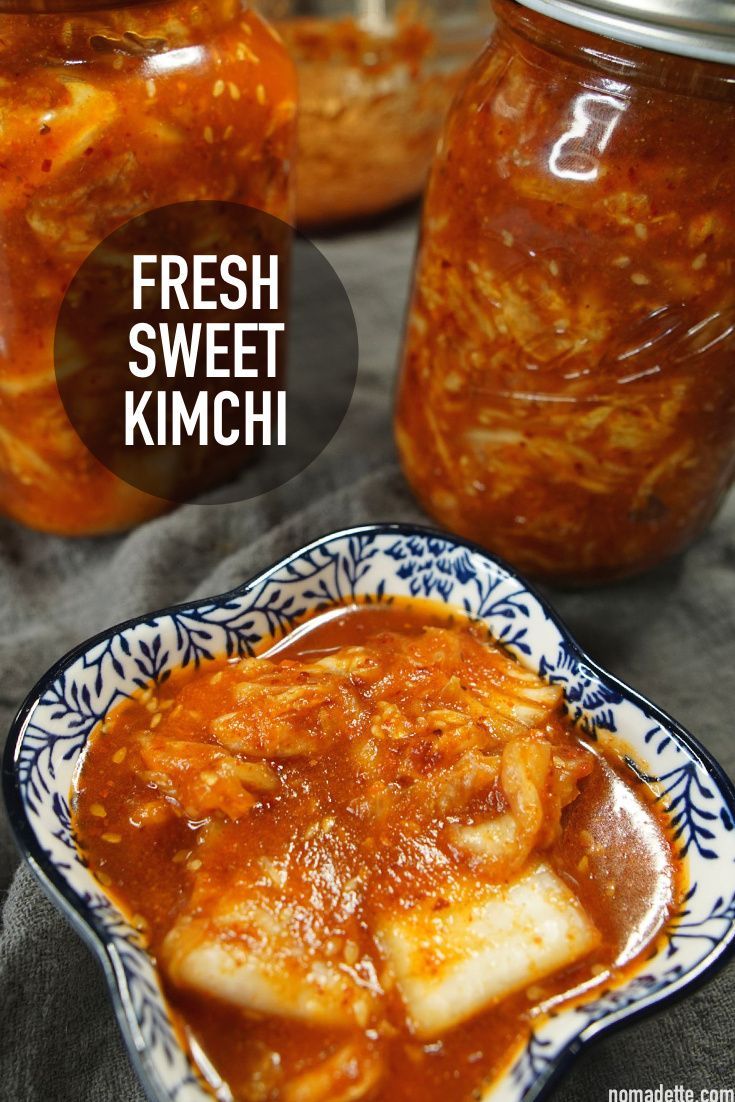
(553, 267)
(104, 878)
(117, 63)
(98, 811)
(150, 87)
(640, 279)
(361, 1010)
(180, 856)
(506, 237)
(194, 865)
(139, 922)
(229, 131)
(219, 87)
(208, 135)
(260, 94)
(699, 261)
(156, 719)
(244, 53)
(621, 262)
(112, 838)
(120, 755)
(640, 231)
(234, 90)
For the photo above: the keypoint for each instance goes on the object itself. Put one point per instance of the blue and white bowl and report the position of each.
(55, 721)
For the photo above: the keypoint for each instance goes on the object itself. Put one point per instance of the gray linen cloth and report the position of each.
(670, 634)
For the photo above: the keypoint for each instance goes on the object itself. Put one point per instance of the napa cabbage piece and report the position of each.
(351, 1073)
(285, 710)
(76, 115)
(452, 788)
(200, 778)
(247, 949)
(537, 781)
(454, 957)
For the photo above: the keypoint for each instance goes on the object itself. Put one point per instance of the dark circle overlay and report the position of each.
(313, 360)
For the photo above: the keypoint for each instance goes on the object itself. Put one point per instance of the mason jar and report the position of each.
(107, 114)
(567, 395)
(375, 80)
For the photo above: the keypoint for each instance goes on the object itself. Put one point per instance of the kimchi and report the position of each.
(341, 854)
(567, 395)
(105, 116)
(373, 93)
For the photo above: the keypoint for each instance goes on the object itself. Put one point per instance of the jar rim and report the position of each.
(68, 7)
(702, 29)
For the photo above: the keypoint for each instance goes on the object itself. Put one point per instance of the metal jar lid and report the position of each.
(692, 28)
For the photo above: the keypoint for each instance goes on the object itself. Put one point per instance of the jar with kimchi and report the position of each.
(107, 115)
(375, 80)
(567, 395)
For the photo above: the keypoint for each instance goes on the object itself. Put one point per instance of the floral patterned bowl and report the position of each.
(58, 716)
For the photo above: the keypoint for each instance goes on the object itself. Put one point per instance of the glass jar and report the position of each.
(567, 396)
(375, 80)
(106, 115)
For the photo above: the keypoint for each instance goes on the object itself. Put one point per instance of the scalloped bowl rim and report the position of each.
(102, 943)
